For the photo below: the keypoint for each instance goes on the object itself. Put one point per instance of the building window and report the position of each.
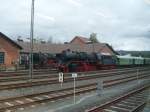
(2, 56)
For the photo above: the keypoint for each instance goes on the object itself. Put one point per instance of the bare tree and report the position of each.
(39, 40)
(19, 39)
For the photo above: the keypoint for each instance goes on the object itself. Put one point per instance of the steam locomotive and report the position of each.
(81, 61)
(71, 61)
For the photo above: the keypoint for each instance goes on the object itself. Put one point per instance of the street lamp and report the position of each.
(31, 40)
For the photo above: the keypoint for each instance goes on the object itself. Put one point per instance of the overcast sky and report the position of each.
(124, 24)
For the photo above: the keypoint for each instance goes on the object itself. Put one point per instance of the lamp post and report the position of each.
(31, 40)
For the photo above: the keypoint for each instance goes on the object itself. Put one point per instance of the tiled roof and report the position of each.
(86, 40)
(83, 39)
(58, 48)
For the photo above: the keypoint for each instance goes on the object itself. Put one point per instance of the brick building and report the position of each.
(84, 44)
(9, 52)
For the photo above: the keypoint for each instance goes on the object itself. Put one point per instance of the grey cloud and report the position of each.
(126, 21)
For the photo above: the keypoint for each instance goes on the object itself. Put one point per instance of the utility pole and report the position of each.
(31, 40)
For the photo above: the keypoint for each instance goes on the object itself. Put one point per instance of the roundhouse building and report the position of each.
(80, 44)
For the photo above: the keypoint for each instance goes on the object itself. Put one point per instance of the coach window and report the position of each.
(2, 56)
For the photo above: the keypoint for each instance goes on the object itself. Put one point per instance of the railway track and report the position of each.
(34, 99)
(20, 78)
(133, 101)
(47, 72)
(55, 81)
(19, 73)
